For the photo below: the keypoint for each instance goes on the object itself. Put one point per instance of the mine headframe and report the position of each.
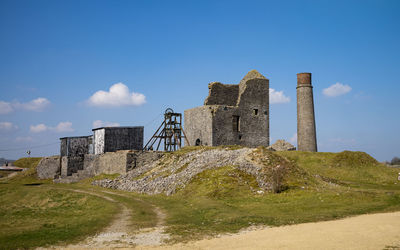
(170, 133)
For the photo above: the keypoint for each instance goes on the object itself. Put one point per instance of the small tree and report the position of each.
(395, 161)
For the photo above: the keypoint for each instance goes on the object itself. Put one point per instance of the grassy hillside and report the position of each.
(318, 186)
(314, 187)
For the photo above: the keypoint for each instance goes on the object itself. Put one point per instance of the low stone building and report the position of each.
(233, 114)
(110, 150)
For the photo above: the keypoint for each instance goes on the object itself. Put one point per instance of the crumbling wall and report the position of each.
(222, 94)
(48, 167)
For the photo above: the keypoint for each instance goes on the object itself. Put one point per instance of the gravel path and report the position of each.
(371, 231)
(119, 234)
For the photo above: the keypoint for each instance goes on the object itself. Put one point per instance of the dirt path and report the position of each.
(119, 234)
(372, 231)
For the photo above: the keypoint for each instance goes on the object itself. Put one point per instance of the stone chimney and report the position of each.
(306, 132)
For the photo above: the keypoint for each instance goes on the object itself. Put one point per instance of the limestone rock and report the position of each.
(281, 145)
(48, 167)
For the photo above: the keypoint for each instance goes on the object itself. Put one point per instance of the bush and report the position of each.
(395, 161)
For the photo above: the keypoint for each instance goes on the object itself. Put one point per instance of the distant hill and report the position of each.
(3, 161)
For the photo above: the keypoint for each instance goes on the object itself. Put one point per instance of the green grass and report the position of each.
(33, 215)
(36, 213)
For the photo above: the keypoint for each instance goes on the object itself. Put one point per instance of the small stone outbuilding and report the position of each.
(111, 139)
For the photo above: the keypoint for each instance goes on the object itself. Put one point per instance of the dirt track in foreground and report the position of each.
(371, 231)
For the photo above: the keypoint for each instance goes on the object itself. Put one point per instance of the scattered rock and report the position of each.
(281, 145)
(173, 171)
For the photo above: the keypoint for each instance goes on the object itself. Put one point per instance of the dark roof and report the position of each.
(117, 127)
(86, 136)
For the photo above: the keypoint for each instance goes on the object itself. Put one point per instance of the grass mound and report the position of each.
(30, 164)
(353, 159)
(226, 181)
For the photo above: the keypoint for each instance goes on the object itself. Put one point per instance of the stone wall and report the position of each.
(198, 125)
(119, 162)
(48, 167)
(71, 164)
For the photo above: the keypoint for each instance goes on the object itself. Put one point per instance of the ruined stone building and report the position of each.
(233, 114)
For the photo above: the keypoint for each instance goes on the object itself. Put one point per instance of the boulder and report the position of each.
(48, 167)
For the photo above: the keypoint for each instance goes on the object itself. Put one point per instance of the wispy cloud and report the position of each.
(38, 128)
(23, 139)
(37, 105)
(61, 127)
(336, 89)
(277, 97)
(118, 95)
(100, 123)
(7, 126)
(5, 108)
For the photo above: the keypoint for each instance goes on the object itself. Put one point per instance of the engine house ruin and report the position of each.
(233, 114)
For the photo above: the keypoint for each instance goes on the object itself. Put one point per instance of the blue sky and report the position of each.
(56, 55)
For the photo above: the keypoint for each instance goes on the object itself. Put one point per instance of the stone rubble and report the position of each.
(173, 171)
(281, 145)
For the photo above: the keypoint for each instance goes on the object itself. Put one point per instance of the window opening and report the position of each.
(236, 123)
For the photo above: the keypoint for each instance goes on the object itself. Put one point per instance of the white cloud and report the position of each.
(100, 123)
(5, 108)
(23, 139)
(7, 126)
(37, 105)
(293, 139)
(277, 97)
(61, 127)
(336, 90)
(38, 128)
(118, 95)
